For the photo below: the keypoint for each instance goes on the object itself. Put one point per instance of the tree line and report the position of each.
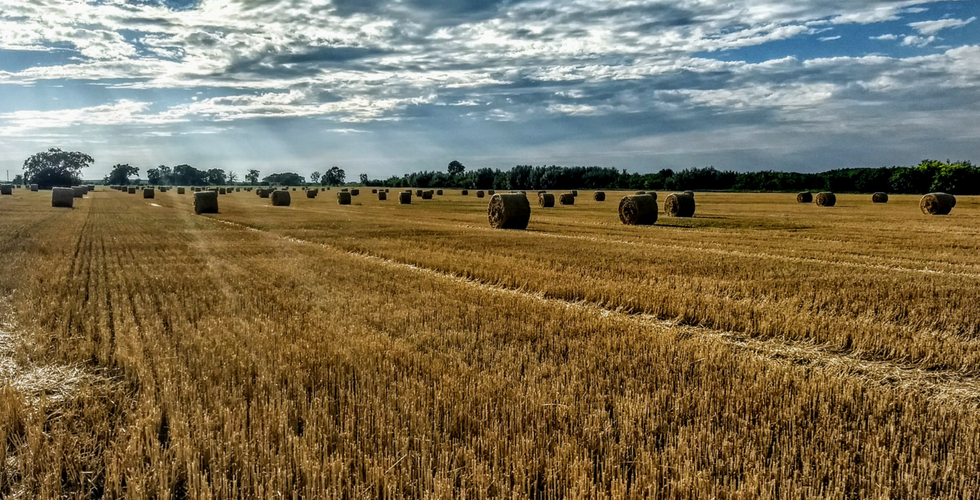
(960, 177)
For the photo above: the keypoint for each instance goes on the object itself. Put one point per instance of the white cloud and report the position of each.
(917, 41)
(885, 37)
(932, 27)
(829, 38)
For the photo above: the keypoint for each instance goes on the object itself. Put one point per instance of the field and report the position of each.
(762, 349)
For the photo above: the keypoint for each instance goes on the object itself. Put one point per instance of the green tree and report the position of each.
(333, 177)
(455, 168)
(216, 177)
(232, 177)
(364, 179)
(252, 177)
(154, 176)
(284, 179)
(315, 177)
(19, 179)
(188, 175)
(120, 174)
(55, 167)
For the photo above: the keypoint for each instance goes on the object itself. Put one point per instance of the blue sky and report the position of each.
(389, 87)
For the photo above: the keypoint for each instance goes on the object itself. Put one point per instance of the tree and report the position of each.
(166, 174)
(364, 179)
(315, 177)
(284, 179)
(232, 177)
(55, 167)
(333, 177)
(19, 179)
(216, 177)
(153, 176)
(120, 174)
(188, 175)
(252, 177)
(455, 168)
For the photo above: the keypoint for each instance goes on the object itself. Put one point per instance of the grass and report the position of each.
(379, 349)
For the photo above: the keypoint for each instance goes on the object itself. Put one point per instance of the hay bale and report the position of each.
(264, 193)
(344, 190)
(280, 199)
(206, 203)
(312, 193)
(599, 196)
(805, 197)
(405, 197)
(509, 211)
(7, 189)
(222, 191)
(689, 193)
(439, 192)
(344, 197)
(641, 192)
(148, 193)
(464, 192)
(418, 192)
(238, 190)
(574, 193)
(546, 200)
(131, 190)
(382, 196)
(355, 192)
(937, 203)
(33, 188)
(91, 187)
(826, 199)
(638, 210)
(386, 190)
(879, 197)
(62, 197)
(679, 205)
(181, 190)
(566, 199)
(374, 191)
(427, 195)
(80, 191)
(490, 192)
(480, 194)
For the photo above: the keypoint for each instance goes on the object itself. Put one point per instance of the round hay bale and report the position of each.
(7, 189)
(575, 193)
(480, 194)
(418, 192)
(382, 196)
(464, 192)
(566, 199)
(131, 190)
(427, 195)
(599, 196)
(405, 197)
(181, 190)
(264, 193)
(879, 197)
(826, 199)
(490, 192)
(638, 210)
(439, 192)
(312, 193)
(374, 191)
(344, 190)
(33, 188)
(679, 205)
(222, 191)
(148, 194)
(641, 192)
(238, 190)
(355, 192)
(280, 198)
(79, 191)
(546, 200)
(805, 197)
(206, 203)
(509, 211)
(294, 189)
(937, 203)
(344, 197)
(62, 197)
(689, 193)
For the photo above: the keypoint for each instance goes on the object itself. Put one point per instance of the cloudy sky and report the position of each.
(388, 87)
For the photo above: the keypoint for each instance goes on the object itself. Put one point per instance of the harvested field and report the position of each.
(761, 348)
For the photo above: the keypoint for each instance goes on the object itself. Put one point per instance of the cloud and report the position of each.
(932, 27)
(886, 37)
(917, 41)
(829, 38)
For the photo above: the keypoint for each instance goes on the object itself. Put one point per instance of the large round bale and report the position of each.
(62, 197)
(464, 192)
(405, 197)
(566, 199)
(937, 203)
(131, 190)
(374, 191)
(355, 192)
(689, 193)
(7, 189)
(238, 190)
(509, 211)
(418, 192)
(546, 200)
(148, 193)
(480, 194)
(344, 197)
(34, 188)
(264, 193)
(427, 194)
(879, 197)
(312, 193)
(222, 191)
(805, 197)
(181, 191)
(280, 198)
(79, 191)
(206, 202)
(679, 205)
(382, 195)
(575, 193)
(826, 199)
(638, 210)
(438, 192)
(599, 196)
(91, 187)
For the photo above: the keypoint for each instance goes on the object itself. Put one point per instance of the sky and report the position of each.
(390, 87)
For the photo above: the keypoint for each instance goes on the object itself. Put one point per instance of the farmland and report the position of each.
(762, 348)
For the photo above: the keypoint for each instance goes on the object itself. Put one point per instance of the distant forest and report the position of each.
(930, 175)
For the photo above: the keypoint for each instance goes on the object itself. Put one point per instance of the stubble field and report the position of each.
(763, 348)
